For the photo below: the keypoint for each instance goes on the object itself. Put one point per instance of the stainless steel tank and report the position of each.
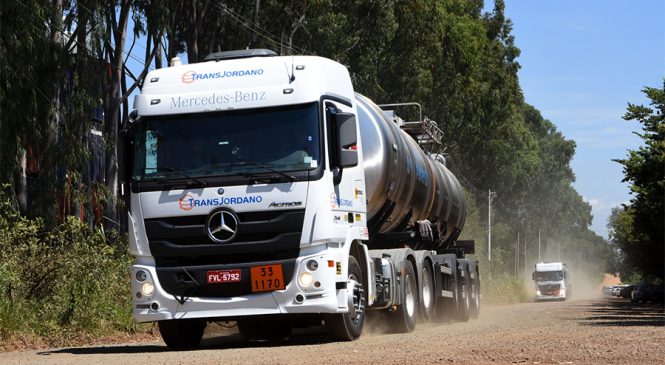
(403, 183)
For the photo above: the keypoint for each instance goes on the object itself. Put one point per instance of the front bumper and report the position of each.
(326, 293)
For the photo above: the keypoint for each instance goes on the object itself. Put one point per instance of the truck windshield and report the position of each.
(549, 276)
(227, 143)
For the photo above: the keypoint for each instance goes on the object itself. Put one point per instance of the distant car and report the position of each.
(626, 291)
(616, 290)
(657, 293)
(607, 289)
(647, 293)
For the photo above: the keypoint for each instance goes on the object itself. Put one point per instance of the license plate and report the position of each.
(267, 278)
(223, 276)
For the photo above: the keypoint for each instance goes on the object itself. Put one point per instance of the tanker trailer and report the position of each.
(264, 191)
(416, 210)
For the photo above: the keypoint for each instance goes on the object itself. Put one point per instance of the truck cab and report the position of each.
(551, 281)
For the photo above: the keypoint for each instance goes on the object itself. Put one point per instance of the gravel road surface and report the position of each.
(601, 331)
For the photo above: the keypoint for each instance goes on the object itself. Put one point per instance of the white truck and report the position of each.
(264, 190)
(551, 280)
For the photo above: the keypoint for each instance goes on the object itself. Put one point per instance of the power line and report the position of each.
(128, 54)
(258, 30)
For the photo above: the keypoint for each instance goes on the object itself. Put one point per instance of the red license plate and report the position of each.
(223, 276)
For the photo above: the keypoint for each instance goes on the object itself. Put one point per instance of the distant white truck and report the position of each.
(551, 280)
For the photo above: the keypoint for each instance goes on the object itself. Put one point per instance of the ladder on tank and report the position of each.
(424, 131)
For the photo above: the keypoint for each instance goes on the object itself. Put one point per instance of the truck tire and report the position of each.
(181, 334)
(475, 295)
(403, 319)
(464, 290)
(257, 329)
(348, 326)
(428, 297)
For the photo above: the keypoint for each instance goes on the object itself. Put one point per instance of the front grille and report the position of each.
(254, 226)
(184, 253)
(549, 289)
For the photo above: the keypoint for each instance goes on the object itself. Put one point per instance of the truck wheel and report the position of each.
(182, 333)
(464, 290)
(404, 317)
(428, 295)
(348, 326)
(475, 296)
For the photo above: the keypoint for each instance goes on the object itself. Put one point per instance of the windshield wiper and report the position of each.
(253, 176)
(192, 180)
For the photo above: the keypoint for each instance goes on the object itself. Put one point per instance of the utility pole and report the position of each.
(489, 226)
(524, 240)
(517, 253)
(539, 244)
(522, 215)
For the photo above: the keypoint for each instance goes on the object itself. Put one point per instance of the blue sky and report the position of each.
(582, 62)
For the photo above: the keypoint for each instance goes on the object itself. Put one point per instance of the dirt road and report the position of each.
(603, 331)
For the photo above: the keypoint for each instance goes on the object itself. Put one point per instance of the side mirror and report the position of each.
(344, 143)
(533, 276)
(347, 139)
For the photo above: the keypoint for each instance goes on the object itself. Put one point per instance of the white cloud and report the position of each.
(601, 210)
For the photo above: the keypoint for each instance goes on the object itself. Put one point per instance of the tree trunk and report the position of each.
(192, 35)
(112, 118)
(22, 188)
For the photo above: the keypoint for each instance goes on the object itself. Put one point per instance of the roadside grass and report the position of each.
(504, 289)
(60, 284)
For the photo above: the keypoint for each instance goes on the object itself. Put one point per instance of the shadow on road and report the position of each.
(621, 312)
(212, 342)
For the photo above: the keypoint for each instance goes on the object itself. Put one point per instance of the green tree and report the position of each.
(638, 228)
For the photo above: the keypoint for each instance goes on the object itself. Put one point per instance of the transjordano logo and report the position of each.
(186, 202)
(191, 76)
(188, 77)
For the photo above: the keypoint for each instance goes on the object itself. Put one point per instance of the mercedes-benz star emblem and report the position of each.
(222, 226)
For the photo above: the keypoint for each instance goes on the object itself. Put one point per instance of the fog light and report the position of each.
(312, 265)
(147, 289)
(306, 279)
(141, 276)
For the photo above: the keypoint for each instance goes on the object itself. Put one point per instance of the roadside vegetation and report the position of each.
(62, 283)
(637, 229)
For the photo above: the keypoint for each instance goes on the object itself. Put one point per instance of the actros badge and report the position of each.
(222, 226)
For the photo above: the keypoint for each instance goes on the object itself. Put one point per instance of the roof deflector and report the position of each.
(241, 53)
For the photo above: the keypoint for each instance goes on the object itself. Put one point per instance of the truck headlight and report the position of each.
(306, 279)
(538, 292)
(147, 289)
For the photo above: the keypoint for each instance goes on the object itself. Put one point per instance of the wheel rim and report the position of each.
(358, 293)
(476, 293)
(427, 289)
(410, 297)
